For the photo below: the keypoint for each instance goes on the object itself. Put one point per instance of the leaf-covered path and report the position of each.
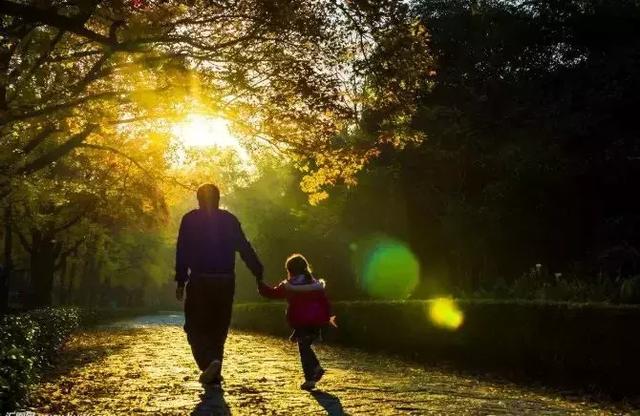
(145, 367)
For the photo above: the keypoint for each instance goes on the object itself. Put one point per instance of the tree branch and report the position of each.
(17, 116)
(135, 162)
(50, 17)
(38, 139)
(64, 254)
(46, 54)
(70, 223)
(55, 154)
(48, 109)
(91, 75)
(74, 55)
(117, 152)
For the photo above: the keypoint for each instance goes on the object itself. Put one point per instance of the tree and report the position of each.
(531, 148)
(79, 79)
(77, 200)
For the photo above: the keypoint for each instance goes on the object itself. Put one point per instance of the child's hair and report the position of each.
(296, 265)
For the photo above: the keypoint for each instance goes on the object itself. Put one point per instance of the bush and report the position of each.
(630, 290)
(539, 284)
(583, 345)
(28, 344)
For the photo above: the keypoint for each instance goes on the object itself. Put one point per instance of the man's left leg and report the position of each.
(196, 320)
(221, 294)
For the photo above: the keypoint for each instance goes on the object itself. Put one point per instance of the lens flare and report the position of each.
(391, 270)
(444, 313)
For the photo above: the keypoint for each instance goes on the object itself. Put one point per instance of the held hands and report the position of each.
(261, 285)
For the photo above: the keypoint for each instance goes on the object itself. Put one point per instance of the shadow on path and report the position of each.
(212, 403)
(329, 402)
(76, 354)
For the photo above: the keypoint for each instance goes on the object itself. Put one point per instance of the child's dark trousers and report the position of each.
(305, 337)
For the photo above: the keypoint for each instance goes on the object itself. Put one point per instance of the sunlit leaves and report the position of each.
(320, 84)
(331, 169)
(294, 74)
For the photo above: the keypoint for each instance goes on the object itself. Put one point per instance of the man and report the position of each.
(205, 261)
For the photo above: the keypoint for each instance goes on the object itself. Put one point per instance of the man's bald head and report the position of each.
(208, 196)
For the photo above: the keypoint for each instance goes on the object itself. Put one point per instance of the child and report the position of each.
(308, 310)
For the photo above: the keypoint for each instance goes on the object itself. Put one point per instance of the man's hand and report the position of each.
(180, 293)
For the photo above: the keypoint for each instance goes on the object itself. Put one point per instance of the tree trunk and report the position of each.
(89, 285)
(8, 262)
(69, 295)
(63, 275)
(44, 252)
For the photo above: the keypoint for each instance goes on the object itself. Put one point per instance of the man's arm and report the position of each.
(247, 253)
(278, 292)
(181, 255)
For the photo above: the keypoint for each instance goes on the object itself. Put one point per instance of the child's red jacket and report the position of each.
(308, 304)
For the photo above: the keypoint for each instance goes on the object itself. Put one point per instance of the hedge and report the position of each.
(28, 343)
(592, 346)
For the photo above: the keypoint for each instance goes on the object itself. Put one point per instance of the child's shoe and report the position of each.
(308, 385)
(212, 373)
(318, 373)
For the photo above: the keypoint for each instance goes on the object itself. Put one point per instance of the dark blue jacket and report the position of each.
(207, 243)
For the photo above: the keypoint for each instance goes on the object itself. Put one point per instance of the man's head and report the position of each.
(208, 196)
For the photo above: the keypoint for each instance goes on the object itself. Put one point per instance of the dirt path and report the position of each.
(145, 368)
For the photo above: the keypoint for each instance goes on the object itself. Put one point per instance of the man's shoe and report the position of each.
(318, 373)
(308, 385)
(212, 388)
(212, 373)
(211, 391)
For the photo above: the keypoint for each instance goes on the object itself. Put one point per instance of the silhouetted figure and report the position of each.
(308, 310)
(205, 261)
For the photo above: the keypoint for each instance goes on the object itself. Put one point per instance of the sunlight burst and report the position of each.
(202, 131)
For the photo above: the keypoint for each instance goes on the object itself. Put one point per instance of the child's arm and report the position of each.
(278, 292)
(327, 306)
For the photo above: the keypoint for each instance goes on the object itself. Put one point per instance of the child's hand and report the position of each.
(261, 287)
(332, 321)
(269, 292)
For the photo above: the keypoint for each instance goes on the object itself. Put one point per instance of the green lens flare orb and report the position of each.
(444, 313)
(391, 270)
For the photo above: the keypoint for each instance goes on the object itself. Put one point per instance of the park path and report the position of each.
(144, 367)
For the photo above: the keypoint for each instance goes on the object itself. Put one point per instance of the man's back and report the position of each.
(207, 243)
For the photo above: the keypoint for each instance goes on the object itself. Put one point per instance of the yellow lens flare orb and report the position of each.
(444, 313)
